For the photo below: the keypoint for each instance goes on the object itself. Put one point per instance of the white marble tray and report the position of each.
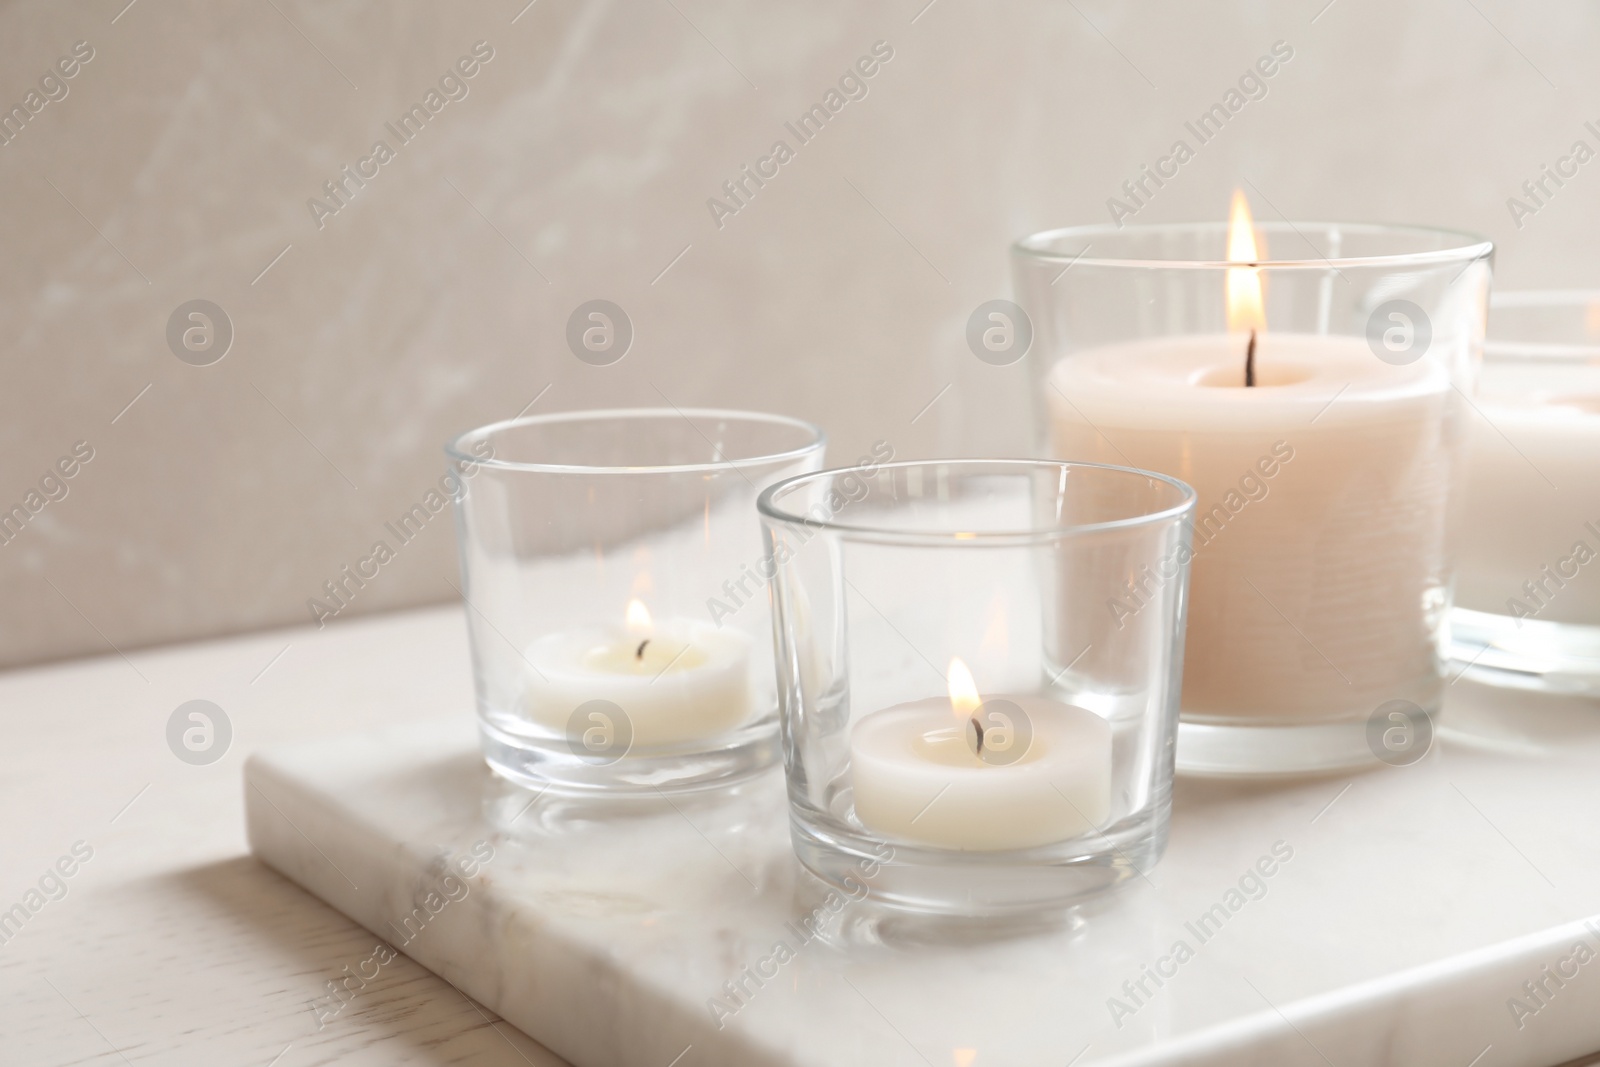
(1415, 905)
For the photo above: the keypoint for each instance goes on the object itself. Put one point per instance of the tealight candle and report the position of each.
(927, 771)
(676, 680)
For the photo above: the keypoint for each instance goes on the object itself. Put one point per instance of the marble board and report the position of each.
(1443, 913)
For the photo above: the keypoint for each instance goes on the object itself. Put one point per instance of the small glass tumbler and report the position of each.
(1528, 588)
(975, 721)
(1310, 381)
(611, 566)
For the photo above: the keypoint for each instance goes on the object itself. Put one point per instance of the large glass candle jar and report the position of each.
(1528, 592)
(611, 569)
(1309, 381)
(961, 717)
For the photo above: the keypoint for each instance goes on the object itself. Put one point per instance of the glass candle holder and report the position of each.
(1309, 380)
(1528, 592)
(969, 714)
(611, 568)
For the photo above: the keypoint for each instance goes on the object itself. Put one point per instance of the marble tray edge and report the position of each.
(1419, 1010)
(548, 1017)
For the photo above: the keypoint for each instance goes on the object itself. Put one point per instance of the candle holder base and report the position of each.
(1528, 687)
(1557, 658)
(1217, 750)
(945, 887)
(867, 929)
(551, 766)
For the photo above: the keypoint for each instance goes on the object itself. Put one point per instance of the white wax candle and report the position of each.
(915, 776)
(1318, 577)
(1530, 528)
(676, 680)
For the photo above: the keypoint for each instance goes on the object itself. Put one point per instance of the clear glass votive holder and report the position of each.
(1310, 381)
(1527, 610)
(611, 565)
(974, 722)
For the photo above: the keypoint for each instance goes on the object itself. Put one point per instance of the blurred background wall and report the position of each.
(576, 162)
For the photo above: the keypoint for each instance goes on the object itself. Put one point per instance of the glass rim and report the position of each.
(456, 447)
(1466, 246)
(769, 509)
(1510, 349)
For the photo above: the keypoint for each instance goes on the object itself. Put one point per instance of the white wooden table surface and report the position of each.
(171, 944)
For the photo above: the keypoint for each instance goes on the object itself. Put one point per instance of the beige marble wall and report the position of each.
(179, 163)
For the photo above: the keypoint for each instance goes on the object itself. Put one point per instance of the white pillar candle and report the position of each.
(916, 774)
(1318, 577)
(676, 680)
(1530, 528)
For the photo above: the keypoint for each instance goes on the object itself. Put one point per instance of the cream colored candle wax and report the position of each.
(1317, 585)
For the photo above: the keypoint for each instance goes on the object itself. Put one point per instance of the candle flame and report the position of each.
(964, 700)
(638, 618)
(1245, 310)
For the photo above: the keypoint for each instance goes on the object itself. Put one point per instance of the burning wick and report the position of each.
(1243, 305)
(964, 700)
(639, 622)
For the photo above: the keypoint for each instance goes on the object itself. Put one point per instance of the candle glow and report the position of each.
(1245, 309)
(964, 699)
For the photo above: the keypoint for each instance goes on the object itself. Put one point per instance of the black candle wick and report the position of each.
(639, 652)
(978, 730)
(1250, 361)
